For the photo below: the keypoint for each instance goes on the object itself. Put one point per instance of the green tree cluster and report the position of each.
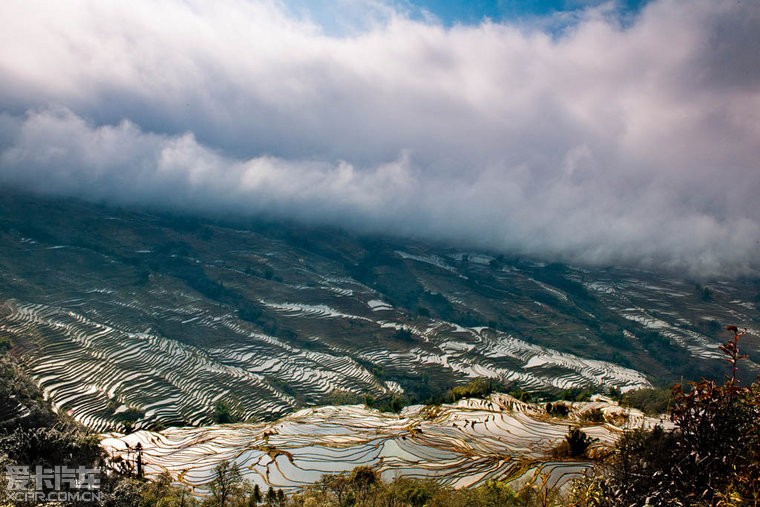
(651, 401)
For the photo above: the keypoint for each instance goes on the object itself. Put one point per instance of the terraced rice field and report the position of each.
(459, 444)
(135, 317)
(86, 366)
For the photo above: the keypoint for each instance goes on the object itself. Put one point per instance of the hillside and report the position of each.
(152, 319)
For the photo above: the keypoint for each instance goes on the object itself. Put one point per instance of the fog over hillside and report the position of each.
(591, 136)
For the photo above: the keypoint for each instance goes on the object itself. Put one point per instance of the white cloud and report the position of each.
(605, 144)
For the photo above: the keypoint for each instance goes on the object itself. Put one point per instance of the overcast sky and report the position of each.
(576, 131)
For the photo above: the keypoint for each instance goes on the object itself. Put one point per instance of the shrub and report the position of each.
(653, 402)
(557, 409)
(477, 388)
(403, 335)
(363, 488)
(712, 457)
(595, 415)
(223, 414)
(577, 442)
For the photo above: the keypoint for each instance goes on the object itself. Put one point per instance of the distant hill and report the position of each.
(146, 319)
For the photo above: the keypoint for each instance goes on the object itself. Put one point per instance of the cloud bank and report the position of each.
(635, 143)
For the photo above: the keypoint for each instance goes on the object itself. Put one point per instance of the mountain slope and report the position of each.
(126, 316)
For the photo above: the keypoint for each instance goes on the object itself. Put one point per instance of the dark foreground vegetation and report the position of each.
(710, 458)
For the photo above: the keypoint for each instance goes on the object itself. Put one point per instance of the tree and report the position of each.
(50, 446)
(338, 485)
(162, 493)
(271, 496)
(227, 482)
(363, 482)
(254, 494)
